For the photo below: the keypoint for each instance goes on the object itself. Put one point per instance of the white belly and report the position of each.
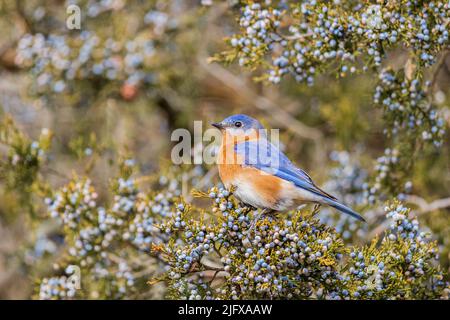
(248, 195)
(289, 198)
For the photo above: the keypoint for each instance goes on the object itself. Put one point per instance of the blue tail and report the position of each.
(344, 209)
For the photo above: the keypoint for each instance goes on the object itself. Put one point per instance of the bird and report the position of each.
(261, 175)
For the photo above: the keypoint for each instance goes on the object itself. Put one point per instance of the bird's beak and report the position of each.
(218, 125)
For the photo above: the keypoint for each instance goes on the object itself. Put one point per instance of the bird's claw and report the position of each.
(316, 208)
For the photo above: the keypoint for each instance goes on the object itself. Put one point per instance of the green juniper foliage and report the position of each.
(112, 58)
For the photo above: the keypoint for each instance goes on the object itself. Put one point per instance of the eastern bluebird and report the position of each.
(263, 177)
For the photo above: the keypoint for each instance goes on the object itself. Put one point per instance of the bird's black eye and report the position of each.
(238, 124)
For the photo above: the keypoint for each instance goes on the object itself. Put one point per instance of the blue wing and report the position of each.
(264, 156)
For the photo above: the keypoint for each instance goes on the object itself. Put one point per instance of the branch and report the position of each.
(247, 94)
(243, 91)
(423, 207)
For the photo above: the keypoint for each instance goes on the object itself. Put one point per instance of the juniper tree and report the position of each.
(137, 233)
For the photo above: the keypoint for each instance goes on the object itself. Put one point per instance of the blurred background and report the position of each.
(137, 70)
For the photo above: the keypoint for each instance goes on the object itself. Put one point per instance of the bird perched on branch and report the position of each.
(262, 176)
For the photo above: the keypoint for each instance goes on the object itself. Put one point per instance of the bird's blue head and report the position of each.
(238, 123)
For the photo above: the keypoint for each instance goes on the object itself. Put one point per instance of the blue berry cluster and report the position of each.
(257, 37)
(346, 181)
(296, 257)
(92, 233)
(114, 57)
(278, 258)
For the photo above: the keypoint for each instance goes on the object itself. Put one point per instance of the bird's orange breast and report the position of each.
(233, 172)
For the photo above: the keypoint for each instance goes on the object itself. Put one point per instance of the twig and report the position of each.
(282, 117)
(425, 206)
(27, 24)
(217, 250)
(56, 173)
(214, 276)
(144, 179)
(145, 272)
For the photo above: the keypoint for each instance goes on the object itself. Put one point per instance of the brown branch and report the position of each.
(26, 22)
(46, 169)
(207, 177)
(437, 69)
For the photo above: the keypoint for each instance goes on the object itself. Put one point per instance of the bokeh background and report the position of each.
(139, 70)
